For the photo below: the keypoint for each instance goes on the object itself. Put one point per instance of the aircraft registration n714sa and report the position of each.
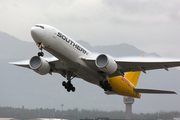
(71, 60)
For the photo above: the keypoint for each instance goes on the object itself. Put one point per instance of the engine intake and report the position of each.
(106, 64)
(39, 65)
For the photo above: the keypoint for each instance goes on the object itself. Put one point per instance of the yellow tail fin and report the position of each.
(133, 77)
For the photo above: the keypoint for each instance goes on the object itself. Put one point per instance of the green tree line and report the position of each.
(75, 114)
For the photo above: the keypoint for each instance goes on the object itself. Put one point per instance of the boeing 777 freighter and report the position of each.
(73, 60)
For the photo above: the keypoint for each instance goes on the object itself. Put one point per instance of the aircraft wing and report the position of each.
(25, 63)
(126, 64)
(55, 65)
(145, 63)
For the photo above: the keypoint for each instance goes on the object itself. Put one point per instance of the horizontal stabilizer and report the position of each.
(152, 91)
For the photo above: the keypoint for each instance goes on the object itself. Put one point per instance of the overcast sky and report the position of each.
(150, 25)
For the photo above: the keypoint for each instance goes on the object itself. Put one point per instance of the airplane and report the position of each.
(71, 60)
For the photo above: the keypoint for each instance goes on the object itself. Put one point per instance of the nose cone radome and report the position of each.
(37, 34)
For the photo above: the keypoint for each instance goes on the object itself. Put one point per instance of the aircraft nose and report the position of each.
(37, 33)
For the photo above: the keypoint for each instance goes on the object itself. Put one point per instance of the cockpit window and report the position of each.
(40, 26)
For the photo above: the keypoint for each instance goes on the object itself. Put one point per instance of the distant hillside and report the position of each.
(119, 50)
(13, 48)
(20, 86)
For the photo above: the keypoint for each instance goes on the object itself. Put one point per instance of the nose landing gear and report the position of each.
(40, 46)
(40, 54)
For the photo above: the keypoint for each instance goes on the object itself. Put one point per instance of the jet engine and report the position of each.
(106, 64)
(39, 65)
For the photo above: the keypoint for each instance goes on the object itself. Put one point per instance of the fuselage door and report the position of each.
(54, 33)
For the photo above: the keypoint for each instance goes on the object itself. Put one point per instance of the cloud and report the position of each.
(149, 11)
(140, 23)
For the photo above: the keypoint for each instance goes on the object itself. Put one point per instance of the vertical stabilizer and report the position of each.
(133, 77)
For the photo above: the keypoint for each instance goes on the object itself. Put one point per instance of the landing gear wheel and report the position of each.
(68, 90)
(64, 83)
(68, 86)
(73, 89)
(101, 83)
(109, 88)
(40, 54)
(105, 89)
(105, 85)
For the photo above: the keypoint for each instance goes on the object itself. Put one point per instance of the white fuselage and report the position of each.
(68, 51)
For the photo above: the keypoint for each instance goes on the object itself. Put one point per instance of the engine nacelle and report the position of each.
(39, 65)
(106, 64)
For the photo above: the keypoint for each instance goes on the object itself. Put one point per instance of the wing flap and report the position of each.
(153, 91)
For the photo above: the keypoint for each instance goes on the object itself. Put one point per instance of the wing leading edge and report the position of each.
(25, 63)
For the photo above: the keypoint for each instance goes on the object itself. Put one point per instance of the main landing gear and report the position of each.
(68, 85)
(104, 84)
